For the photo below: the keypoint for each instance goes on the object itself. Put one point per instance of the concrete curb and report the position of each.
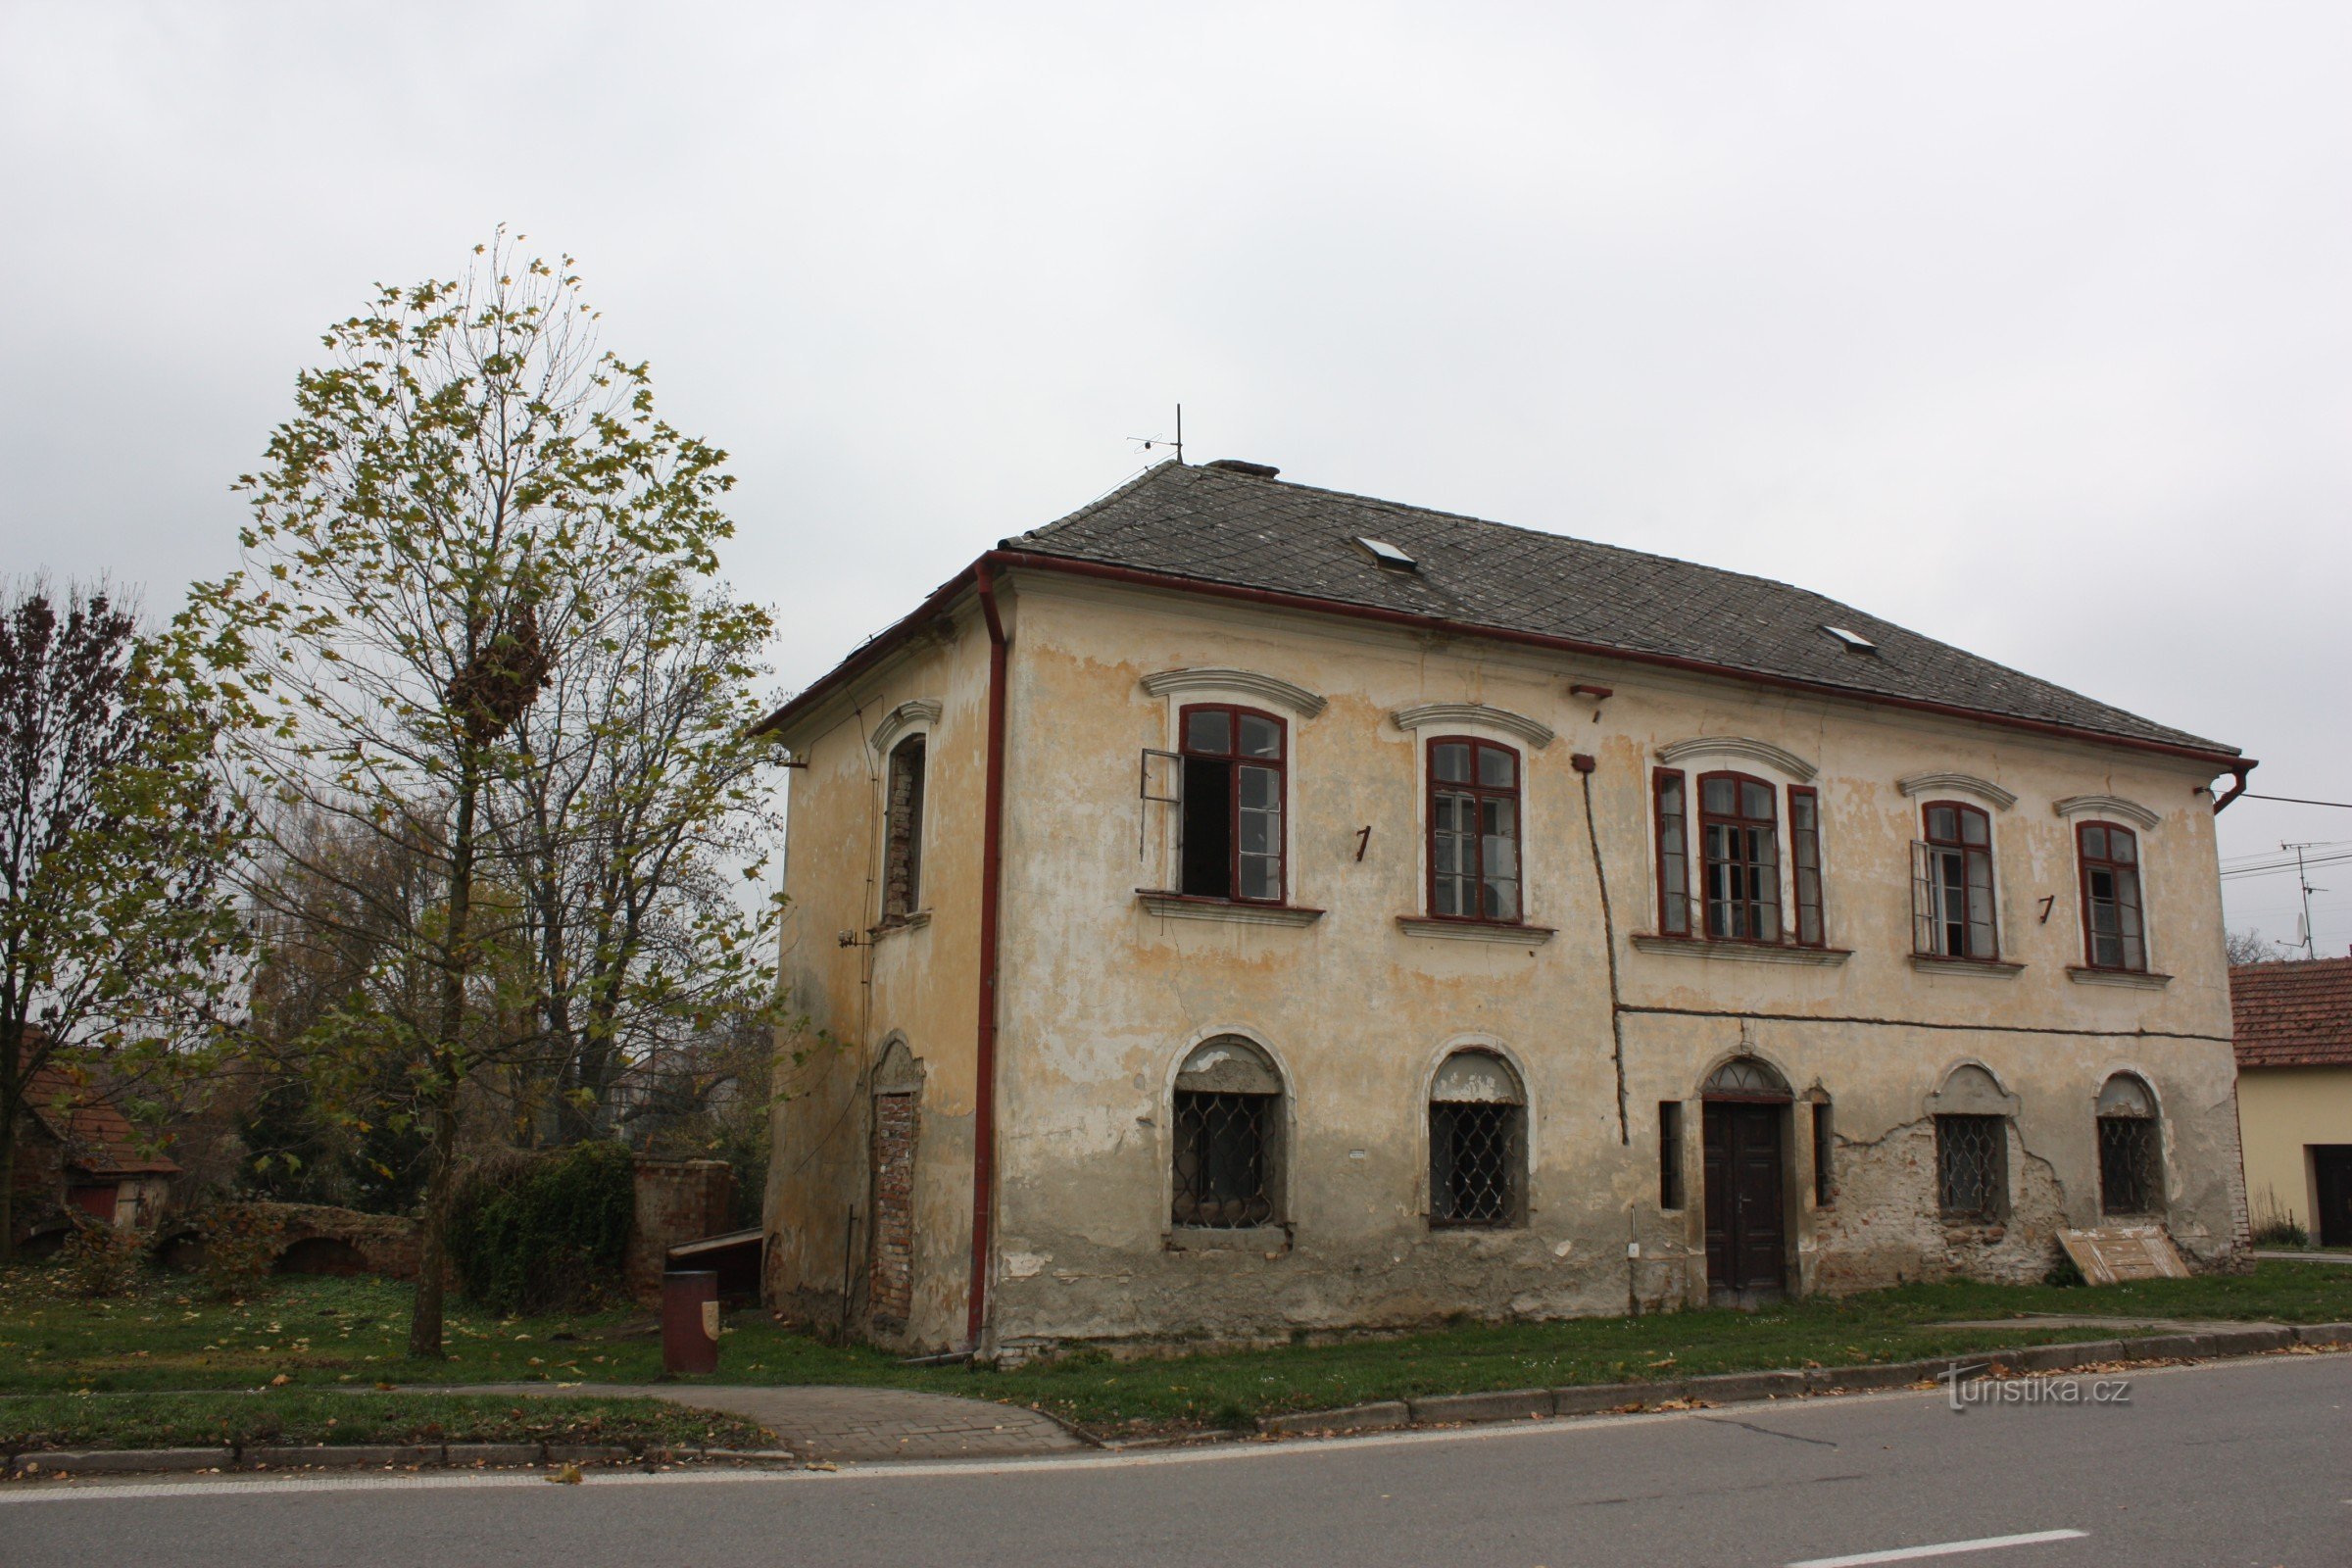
(1744, 1388)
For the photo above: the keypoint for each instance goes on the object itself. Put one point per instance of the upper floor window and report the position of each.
(1233, 761)
(1952, 884)
(1740, 841)
(2112, 931)
(1674, 854)
(903, 842)
(1472, 830)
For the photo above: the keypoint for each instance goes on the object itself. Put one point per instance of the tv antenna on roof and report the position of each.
(1150, 441)
(2303, 877)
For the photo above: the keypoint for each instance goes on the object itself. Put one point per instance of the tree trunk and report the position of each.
(432, 1243)
(7, 1184)
(441, 1135)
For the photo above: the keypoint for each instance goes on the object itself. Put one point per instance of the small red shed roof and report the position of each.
(2293, 1015)
(98, 1138)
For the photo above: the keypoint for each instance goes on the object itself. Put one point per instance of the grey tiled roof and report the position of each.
(1218, 525)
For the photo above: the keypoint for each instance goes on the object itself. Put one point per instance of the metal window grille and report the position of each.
(1473, 1159)
(2131, 1171)
(1221, 1159)
(1971, 1166)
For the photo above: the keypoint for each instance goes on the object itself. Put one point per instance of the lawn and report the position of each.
(294, 1415)
(317, 1333)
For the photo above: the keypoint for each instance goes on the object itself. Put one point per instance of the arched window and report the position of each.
(1231, 812)
(1952, 884)
(903, 847)
(1739, 840)
(1472, 830)
(1972, 1144)
(2131, 1148)
(2112, 936)
(1228, 1156)
(1477, 1143)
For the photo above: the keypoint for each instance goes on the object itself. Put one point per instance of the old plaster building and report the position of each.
(1241, 907)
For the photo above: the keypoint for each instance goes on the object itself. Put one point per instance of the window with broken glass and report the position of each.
(1477, 1143)
(1972, 1175)
(1232, 823)
(2112, 936)
(1228, 1122)
(2130, 1152)
(1472, 830)
(1952, 884)
(1739, 836)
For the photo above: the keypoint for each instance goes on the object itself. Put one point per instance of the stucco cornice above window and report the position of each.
(1983, 789)
(1755, 750)
(1273, 688)
(2112, 805)
(1430, 715)
(903, 719)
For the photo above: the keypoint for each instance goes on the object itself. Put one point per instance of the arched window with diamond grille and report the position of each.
(2131, 1148)
(1228, 1123)
(1477, 1143)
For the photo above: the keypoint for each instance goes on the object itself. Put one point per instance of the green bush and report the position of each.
(543, 1231)
(240, 1246)
(2281, 1233)
(100, 1261)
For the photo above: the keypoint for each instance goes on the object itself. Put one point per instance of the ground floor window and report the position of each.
(1972, 1176)
(1477, 1143)
(2130, 1155)
(1228, 1143)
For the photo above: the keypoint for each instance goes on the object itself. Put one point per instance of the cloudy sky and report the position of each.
(2029, 326)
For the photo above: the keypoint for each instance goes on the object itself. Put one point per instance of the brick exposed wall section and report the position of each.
(892, 1286)
(677, 1200)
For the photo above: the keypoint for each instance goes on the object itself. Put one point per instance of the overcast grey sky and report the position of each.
(2025, 325)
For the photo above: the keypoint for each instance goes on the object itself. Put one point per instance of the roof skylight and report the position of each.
(1854, 641)
(1388, 554)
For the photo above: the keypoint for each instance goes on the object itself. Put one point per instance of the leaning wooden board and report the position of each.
(2118, 1253)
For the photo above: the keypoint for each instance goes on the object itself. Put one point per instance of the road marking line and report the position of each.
(1947, 1548)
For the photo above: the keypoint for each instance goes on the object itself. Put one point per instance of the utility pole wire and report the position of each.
(2297, 800)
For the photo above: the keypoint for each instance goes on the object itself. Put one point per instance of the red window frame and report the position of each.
(1805, 866)
(1478, 795)
(1972, 856)
(1670, 795)
(2086, 864)
(1279, 765)
(1738, 823)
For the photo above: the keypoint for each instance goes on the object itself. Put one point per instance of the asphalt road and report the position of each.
(2243, 1462)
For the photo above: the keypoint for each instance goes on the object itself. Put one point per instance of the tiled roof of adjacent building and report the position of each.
(98, 1138)
(2293, 1015)
(1220, 525)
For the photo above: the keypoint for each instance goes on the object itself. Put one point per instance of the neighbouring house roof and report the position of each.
(97, 1137)
(2293, 1015)
(1215, 525)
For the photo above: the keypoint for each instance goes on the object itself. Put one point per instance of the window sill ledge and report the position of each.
(1742, 951)
(1193, 907)
(2131, 979)
(1516, 936)
(1993, 968)
(903, 922)
(1271, 1241)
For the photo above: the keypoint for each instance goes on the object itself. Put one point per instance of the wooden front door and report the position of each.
(1746, 1233)
(2332, 1170)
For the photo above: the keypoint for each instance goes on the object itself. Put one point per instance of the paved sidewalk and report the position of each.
(843, 1423)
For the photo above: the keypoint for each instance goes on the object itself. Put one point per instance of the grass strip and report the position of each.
(316, 1415)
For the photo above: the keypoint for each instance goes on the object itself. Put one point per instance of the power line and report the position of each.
(2282, 867)
(2297, 800)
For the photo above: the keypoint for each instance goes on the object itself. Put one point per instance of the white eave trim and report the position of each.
(1431, 715)
(1755, 750)
(2114, 806)
(1273, 688)
(902, 719)
(1945, 783)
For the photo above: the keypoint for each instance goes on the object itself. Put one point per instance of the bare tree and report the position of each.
(120, 939)
(2251, 947)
